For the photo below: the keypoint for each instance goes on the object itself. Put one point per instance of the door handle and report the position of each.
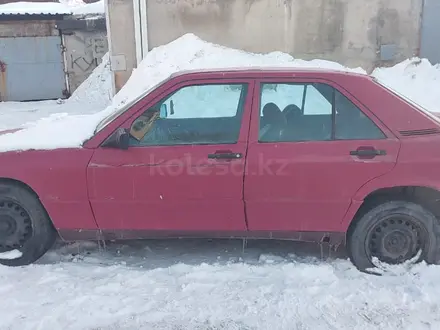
(225, 155)
(367, 152)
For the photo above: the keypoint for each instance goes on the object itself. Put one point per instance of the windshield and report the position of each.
(408, 100)
(116, 113)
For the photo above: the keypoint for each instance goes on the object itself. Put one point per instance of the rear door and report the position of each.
(303, 170)
(183, 171)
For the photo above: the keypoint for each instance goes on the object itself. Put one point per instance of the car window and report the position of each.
(351, 123)
(295, 112)
(315, 102)
(306, 112)
(199, 114)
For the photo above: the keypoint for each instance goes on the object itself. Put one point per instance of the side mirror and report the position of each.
(119, 139)
(163, 111)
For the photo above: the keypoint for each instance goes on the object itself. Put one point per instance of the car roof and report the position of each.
(254, 71)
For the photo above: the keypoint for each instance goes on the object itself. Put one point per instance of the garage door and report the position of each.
(31, 69)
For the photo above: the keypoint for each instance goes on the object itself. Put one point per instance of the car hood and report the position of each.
(10, 131)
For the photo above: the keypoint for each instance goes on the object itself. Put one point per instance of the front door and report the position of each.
(311, 148)
(183, 171)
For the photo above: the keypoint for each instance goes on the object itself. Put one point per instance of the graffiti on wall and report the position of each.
(94, 49)
(84, 52)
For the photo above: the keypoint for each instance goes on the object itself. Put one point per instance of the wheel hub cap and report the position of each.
(396, 239)
(15, 225)
(7, 226)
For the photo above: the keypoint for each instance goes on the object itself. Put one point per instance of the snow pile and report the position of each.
(34, 8)
(97, 88)
(191, 52)
(415, 78)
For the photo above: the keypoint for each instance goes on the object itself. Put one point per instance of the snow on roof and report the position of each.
(34, 8)
(90, 8)
(52, 8)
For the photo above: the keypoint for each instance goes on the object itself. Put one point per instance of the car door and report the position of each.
(184, 168)
(312, 146)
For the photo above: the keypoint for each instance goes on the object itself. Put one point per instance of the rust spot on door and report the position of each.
(2, 81)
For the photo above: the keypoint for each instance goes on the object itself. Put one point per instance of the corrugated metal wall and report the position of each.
(430, 34)
(31, 68)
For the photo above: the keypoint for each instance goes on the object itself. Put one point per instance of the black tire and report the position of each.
(375, 234)
(24, 225)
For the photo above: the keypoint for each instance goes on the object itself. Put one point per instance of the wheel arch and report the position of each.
(24, 185)
(19, 183)
(425, 196)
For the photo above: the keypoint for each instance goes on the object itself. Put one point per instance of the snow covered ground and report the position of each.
(212, 285)
(201, 284)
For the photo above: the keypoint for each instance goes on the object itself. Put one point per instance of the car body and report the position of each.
(222, 178)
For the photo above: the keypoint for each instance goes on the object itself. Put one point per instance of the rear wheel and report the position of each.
(394, 232)
(26, 231)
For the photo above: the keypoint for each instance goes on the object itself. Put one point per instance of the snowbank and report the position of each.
(415, 78)
(190, 52)
(97, 88)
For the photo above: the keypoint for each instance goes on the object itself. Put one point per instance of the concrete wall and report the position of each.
(362, 33)
(347, 31)
(84, 52)
(120, 29)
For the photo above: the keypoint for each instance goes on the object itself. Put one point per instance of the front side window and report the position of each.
(199, 114)
(311, 112)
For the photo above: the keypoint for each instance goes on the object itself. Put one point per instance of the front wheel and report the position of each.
(26, 231)
(394, 232)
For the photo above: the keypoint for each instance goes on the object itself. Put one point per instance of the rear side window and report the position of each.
(351, 123)
(311, 112)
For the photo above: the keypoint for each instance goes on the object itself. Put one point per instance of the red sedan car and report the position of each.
(309, 155)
